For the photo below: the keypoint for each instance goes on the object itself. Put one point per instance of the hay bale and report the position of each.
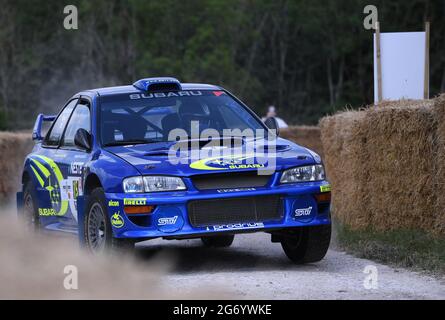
(381, 162)
(400, 142)
(344, 158)
(13, 149)
(439, 183)
(306, 136)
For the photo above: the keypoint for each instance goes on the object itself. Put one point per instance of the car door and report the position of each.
(48, 175)
(71, 159)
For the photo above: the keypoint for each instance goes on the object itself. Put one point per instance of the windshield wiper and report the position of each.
(128, 142)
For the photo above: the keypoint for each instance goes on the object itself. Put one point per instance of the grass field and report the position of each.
(412, 249)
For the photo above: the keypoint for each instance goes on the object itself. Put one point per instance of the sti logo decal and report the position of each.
(167, 221)
(303, 212)
(227, 163)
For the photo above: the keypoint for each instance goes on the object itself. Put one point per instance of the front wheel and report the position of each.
(97, 229)
(30, 213)
(307, 244)
(218, 241)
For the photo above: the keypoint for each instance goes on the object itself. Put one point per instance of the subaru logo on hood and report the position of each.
(228, 163)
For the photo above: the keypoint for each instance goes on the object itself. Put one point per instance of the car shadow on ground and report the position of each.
(193, 257)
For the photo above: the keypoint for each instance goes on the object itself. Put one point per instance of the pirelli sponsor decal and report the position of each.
(135, 202)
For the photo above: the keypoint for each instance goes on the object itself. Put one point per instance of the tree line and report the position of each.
(307, 57)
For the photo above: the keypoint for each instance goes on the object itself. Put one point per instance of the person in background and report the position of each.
(272, 113)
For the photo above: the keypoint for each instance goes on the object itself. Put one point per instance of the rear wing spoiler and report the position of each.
(37, 131)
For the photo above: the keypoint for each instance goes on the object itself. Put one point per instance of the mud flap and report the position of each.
(19, 200)
(81, 219)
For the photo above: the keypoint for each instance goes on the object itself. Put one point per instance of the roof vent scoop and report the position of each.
(158, 84)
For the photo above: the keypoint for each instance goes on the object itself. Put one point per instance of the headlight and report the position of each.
(163, 183)
(133, 185)
(152, 184)
(303, 174)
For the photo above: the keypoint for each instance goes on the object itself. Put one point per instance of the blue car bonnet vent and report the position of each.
(158, 84)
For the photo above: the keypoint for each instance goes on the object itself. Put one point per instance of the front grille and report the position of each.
(232, 180)
(235, 210)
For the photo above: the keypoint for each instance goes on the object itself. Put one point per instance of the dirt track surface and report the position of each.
(255, 268)
(32, 267)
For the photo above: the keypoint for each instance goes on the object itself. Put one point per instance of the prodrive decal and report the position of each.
(235, 190)
(236, 226)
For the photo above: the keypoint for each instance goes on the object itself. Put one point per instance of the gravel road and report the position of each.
(255, 268)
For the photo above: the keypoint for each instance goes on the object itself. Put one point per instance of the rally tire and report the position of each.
(307, 244)
(221, 241)
(30, 211)
(98, 232)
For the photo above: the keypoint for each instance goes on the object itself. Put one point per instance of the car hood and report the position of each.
(159, 158)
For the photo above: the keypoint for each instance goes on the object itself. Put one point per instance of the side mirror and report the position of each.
(272, 124)
(37, 131)
(82, 139)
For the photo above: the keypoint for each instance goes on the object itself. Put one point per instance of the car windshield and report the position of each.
(153, 117)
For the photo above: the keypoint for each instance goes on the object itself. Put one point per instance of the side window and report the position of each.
(79, 120)
(54, 136)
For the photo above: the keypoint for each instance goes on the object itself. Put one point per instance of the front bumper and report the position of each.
(170, 217)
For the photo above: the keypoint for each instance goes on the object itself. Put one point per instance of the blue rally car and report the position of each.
(164, 159)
